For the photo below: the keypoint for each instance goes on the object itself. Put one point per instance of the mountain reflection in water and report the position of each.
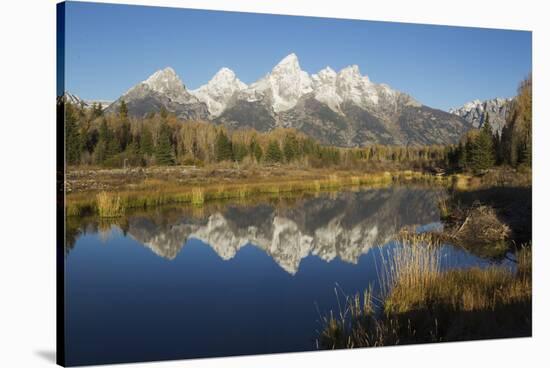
(343, 225)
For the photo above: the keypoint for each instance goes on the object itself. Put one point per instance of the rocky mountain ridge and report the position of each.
(474, 112)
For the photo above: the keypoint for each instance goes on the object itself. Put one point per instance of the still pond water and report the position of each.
(231, 279)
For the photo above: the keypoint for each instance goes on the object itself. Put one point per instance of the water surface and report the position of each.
(232, 278)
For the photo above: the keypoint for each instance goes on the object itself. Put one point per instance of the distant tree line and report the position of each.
(481, 149)
(116, 140)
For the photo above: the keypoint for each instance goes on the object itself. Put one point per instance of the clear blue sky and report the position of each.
(109, 48)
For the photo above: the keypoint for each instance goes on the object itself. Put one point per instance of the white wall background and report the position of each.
(27, 180)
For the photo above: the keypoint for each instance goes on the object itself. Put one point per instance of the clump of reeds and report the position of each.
(354, 325)
(109, 205)
(243, 192)
(461, 181)
(197, 196)
(316, 185)
(72, 209)
(524, 258)
(407, 271)
(444, 210)
(333, 181)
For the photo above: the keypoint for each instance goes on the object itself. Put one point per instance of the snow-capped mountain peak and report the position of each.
(288, 63)
(225, 80)
(166, 81)
(284, 85)
(326, 75)
(350, 72)
(352, 86)
(217, 93)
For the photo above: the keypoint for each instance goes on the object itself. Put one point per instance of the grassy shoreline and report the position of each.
(151, 192)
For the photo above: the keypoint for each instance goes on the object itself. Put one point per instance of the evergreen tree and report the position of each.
(123, 111)
(72, 136)
(97, 110)
(239, 151)
(256, 150)
(223, 147)
(164, 153)
(106, 146)
(273, 153)
(483, 151)
(133, 155)
(90, 140)
(146, 142)
(124, 135)
(290, 147)
(163, 112)
(461, 156)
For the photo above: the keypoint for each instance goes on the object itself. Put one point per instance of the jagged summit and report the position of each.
(217, 93)
(289, 62)
(282, 87)
(474, 112)
(326, 72)
(168, 82)
(224, 73)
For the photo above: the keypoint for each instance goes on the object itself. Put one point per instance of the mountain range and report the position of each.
(343, 108)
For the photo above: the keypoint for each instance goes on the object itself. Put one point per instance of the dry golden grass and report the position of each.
(422, 303)
(407, 272)
(109, 205)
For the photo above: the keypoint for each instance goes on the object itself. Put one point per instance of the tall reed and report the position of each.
(109, 205)
(197, 196)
